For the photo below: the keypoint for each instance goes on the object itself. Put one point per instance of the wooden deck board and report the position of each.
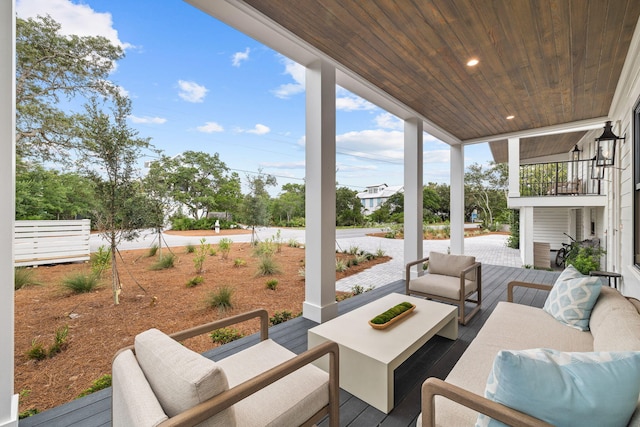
(436, 358)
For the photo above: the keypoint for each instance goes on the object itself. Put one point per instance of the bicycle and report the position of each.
(563, 252)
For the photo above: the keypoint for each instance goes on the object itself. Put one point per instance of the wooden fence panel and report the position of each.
(51, 242)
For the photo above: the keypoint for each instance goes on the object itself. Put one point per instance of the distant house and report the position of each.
(376, 195)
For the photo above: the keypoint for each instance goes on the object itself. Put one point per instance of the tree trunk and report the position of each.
(115, 280)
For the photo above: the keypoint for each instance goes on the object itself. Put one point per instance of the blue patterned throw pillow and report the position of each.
(566, 389)
(572, 298)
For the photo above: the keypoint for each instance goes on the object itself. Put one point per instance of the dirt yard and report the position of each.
(97, 328)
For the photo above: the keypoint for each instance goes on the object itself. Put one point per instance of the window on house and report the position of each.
(636, 181)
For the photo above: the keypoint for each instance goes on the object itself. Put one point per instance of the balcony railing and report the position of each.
(558, 179)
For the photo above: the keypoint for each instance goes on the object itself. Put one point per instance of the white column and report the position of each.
(526, 235)
(413, 183)
(8, 400)
(514, 167)
(320, 260)
(457, 199)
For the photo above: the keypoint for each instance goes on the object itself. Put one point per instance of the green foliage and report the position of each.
(28, 413)
(225, 335)
(37, 351)
(272, 284)
(153, 250)
(380, 253)
(51, 66)
(99, 384)
(24, 277)
(267, 266)
(348, 207)
(100, 260)
(354, 250)
(359, 289)
(266, 248)
(182, 223)
(201, 255)
(189, 248)
(391, 313)
(586, 259)
(255, 207)
(340, 265)
(514, 239)
(224, 246)
(280, 317)
(239, 262)
(220, 299)
(164, 262)
(293, 243)
(213, 251)
(195, 281)
(81, 282)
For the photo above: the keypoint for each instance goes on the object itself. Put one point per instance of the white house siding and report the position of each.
(550, 223)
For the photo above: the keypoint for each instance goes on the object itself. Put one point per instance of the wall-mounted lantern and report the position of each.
(606, 147)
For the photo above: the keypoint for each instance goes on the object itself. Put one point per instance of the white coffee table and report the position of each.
(368, 356)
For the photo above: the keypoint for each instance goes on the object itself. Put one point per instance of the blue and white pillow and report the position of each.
(572, 298)
(566, 389)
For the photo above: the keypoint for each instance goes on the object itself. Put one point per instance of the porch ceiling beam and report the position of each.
(582, 125)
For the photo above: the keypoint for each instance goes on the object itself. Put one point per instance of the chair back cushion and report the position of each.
(133, 402)
(180, 377)
(450, 265)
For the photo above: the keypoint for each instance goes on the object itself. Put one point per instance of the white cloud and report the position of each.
(437, 157)
(283, 165)
(259, 130)
(347, 101)
(389, 121)
(191, 91)
(238, 57)
(341, 167)
(374, 144)
(297, 72)
(210, 127)
(147, 120)
(78, 19)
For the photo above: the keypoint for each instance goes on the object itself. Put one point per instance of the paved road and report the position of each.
(489, 249)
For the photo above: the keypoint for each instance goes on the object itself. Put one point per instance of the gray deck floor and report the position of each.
(435, 359)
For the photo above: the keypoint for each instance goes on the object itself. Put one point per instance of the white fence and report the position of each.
(51, 242)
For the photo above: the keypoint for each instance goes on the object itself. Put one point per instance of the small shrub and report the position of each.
(213, 251)
(272, 284)
(267, 266)
(362, 258)
(239, 262)
(24, 277)
(189, 248)
(220, 299)
(280, 317)
(81, 282)
(354, 250)
(59, 341)
(99, 384)
(266, 248)
(224, 246)
(37, 351)
(100, 260)
(225, 335)
(164, 262)
(340, 265)
(380, 253)
(28, 413)
(302, 272)
(293, 243)
(153, 250)
(201, 255)
(195, 281)
(357, 289)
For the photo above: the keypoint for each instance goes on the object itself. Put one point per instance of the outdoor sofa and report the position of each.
(515, 332)
(160, 382)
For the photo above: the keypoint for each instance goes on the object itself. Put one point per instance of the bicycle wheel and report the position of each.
(561, 256)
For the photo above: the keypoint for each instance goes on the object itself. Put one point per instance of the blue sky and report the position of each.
(198, 84)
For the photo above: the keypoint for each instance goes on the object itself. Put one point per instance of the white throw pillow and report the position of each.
(572, 298)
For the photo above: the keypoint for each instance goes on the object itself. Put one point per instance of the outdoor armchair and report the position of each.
(450, 278)
(160, 382)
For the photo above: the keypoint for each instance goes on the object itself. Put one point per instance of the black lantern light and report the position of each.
(606, 147)
(575, 154)
(597, 172)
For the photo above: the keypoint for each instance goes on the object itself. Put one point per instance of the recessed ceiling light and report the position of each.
(510, 117)
(472, 62)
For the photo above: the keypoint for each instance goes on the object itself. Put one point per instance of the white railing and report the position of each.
(51, 242)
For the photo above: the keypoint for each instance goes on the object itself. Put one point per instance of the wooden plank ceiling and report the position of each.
(546, 62)
(531, 148)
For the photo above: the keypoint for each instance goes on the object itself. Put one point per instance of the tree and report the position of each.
(256, 203)
(348, 207)
(50, 69)
(198, 181)
(487, 191)
(290, 203)
(115, 148)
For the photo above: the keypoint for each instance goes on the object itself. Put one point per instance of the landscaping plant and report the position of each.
(81, 282)
(220, 299)
(224, 246)
(23, 277)
(225, 335)
(201, 255)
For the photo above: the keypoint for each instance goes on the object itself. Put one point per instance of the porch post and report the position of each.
(8, 400)
(320, 206)
(413, 183)
(514, 167)
(457, 199)
(526, 235)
